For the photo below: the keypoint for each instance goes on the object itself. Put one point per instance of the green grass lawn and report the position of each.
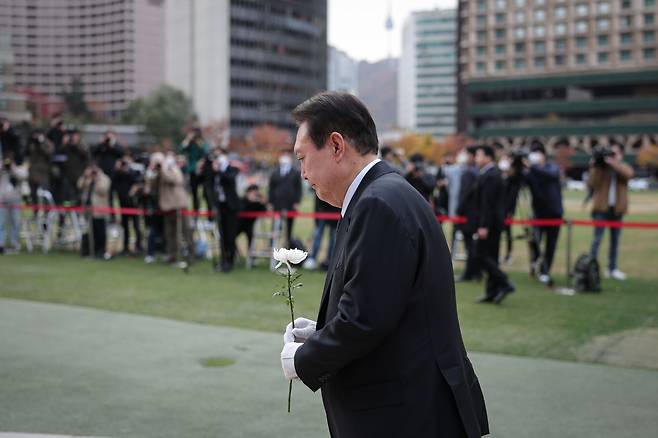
(532, 322)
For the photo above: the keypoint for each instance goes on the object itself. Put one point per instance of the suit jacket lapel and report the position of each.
(375, 172)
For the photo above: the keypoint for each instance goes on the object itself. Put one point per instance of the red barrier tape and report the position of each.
(334, 216)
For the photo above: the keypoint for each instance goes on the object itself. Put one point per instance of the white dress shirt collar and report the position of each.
(355, 185)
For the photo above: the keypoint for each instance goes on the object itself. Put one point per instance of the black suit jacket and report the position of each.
(490, 199)
(388, 352)
(467, 206)
(285, 191)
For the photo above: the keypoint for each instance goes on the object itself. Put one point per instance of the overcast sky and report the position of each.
(357, 26)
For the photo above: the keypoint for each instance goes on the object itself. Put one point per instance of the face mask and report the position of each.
(504, 165)
(535, 157)
(462, 158)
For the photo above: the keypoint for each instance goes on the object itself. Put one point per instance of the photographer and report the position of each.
(107, 152)
(11, 177)
(167, 179)
(77, 159)
(10, 142)
(124, 180)
(193, 148)
(419, 178)
(608, 181)
(95, 187)
(543, 179)
(39, 152)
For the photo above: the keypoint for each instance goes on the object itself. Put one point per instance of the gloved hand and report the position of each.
(288, 359)
(303, 329)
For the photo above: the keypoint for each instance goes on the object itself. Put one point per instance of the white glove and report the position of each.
(303, 329)
(288, 359)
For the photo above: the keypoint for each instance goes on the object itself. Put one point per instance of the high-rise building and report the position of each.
(247, 62)
(574, 72)
(12, 105)
(114, 47)
(342, 72)
(428, 73)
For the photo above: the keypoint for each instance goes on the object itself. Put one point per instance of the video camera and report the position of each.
(599, 154)
(518, 157)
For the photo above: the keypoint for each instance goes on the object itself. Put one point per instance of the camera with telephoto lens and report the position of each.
(518, 157)
(600, 153)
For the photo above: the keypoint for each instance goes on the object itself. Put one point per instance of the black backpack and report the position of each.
(586, 275)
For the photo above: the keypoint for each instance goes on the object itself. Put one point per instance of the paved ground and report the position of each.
(75, 371)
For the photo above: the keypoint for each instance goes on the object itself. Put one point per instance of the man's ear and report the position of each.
(337, 144)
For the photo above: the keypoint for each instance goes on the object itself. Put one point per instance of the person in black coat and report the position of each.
(10, 143)
(386, 350)
(285, 190)
(489, 222)
(467, 208)
(124, 182)
(543, 178)
(107, 153)
(253, 201)
(228, 207)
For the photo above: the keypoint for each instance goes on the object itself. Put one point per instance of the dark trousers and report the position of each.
(509, 239)
(228, 229)
(472, 268)
(487, 257)
(100, 236)
(550, 236)
(155, 239)
(125, 224)
(246, 225)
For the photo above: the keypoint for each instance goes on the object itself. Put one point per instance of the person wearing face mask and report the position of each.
(543, 179)
(467, 207)
(513, 179)
(452, 173)
(285, 191)
(228, 206)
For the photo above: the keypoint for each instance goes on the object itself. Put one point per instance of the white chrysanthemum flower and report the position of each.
(288, 256)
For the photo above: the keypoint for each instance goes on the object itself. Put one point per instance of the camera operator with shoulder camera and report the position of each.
(11, 177)
(608, 182)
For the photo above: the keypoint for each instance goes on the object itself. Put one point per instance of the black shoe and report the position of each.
(503, 292)
(485, 299)
(463, 278)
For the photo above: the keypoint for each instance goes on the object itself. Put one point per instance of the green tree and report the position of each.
(74, 100)
(164, 113)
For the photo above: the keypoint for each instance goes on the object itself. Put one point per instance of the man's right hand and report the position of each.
(303, 329)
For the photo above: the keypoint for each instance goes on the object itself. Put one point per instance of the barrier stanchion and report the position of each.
(569, 224)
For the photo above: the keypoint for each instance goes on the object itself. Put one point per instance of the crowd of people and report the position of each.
(481, 184)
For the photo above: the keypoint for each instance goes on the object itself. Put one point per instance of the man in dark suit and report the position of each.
(228, 206)
(285, 190)
(490, 220)
(386, 350)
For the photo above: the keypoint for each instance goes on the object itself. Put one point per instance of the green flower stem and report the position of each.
(292, 320)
